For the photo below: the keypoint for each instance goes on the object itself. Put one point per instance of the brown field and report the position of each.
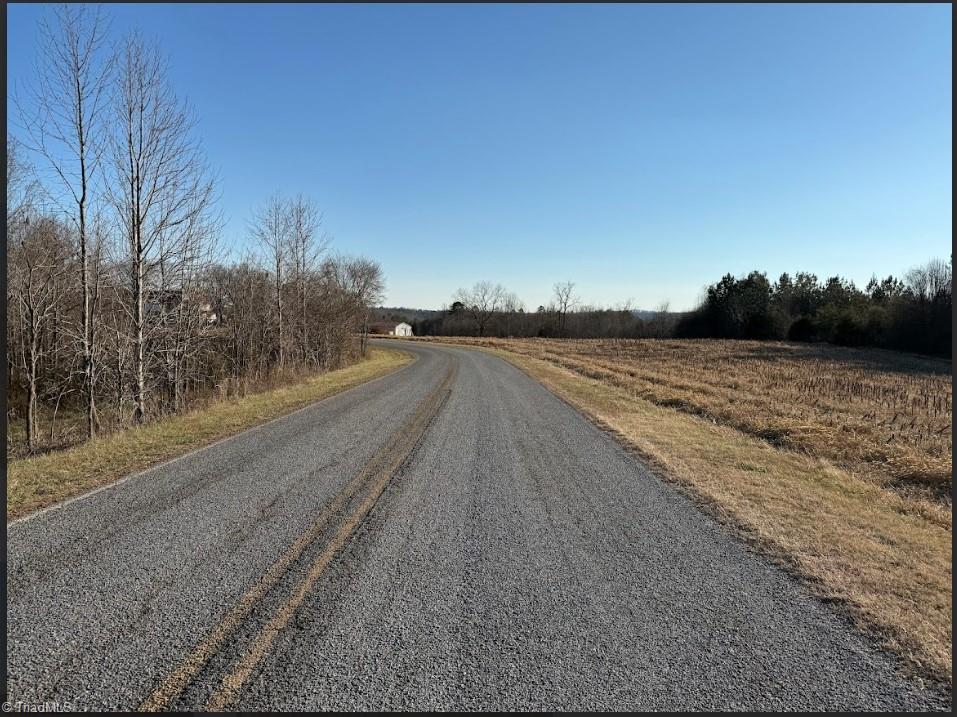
(881, 414)
(835, 462)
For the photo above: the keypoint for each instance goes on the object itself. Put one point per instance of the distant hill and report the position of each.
(402, 313)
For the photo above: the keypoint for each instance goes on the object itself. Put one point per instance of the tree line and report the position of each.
(912, 313)
(121, 304)
(908, 314)
(489, 309)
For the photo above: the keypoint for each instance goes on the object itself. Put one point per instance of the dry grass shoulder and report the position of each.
(33, 483)
(883, 553)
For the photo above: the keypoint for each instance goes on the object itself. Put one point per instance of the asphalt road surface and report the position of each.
(451, 536)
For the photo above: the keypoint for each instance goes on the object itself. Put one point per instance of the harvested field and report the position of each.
(883, 415)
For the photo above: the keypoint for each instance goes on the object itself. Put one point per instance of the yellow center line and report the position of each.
(234, 680)
(177, 681)
(392, 455)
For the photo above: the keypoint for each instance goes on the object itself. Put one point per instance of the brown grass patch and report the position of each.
(777, 442)
(33, 483)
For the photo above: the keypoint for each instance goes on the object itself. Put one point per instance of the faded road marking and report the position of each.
(380, 469)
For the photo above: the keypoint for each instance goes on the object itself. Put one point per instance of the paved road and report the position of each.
(451, 536)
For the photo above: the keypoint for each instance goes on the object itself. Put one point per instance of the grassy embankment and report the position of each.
(39, 481)
(835, 462)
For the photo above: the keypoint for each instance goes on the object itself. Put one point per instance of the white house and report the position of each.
(390, 328)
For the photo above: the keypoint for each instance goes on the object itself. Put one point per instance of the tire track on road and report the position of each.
(373, 479)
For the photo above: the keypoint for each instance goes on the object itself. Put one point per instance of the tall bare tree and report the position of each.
(271, 230)
(184, 313)
(565, 300)
(162, 187)
(126, 253)
(364, 284)
(65, 125)
(306, 247)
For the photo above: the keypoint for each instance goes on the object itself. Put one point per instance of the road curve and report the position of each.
(450, 536)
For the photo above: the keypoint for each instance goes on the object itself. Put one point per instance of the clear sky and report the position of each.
(640, 151)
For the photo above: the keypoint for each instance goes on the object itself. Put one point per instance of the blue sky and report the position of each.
(640, 151)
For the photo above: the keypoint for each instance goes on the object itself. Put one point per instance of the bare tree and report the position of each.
(21, 187)
(116, 321)
(132, 263)
(565, 300)
(184, 315)
(511, 305)
(366, 285)
(271, 230)
(162, 186)
(353, 287)
(39, 263)
(67, 130)
(306, 247)
(241, 296)
(20, 198)
(928, 281)
(661, 322)
(481, 302)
